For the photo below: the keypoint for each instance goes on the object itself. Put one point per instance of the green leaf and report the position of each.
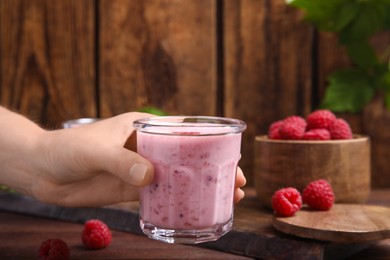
(345, 14)
(5, 188)
(153, 110)
(362, 54)
(348, 91)
(381, 71)
(355, 21)
(369, 20)
(385, 80)
(387, 21)
(318, 12)
(317, 8)
(387, 100)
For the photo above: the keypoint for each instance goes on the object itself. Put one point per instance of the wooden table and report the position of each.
(21, 236)
(252, 237)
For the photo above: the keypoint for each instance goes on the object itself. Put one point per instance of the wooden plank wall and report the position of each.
(47, 62)
(250, 59)
(265, 77)
(159, 53)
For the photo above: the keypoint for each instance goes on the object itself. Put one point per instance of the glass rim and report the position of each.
(79, 121)
(202, 125)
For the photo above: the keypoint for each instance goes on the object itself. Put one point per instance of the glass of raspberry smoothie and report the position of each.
(195, 158)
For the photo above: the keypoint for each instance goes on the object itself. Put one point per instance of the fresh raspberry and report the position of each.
(318, 195)
(340, 129)
(295, 119)
(53, 249)
(320, 119)
(96, 234)
(293, 128)
(273, 131)
(317, 134)
(286, 202)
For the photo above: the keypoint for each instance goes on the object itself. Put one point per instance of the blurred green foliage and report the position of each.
(355, 22)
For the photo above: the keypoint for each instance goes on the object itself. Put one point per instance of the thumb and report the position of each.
(140, 174)
(131, 167)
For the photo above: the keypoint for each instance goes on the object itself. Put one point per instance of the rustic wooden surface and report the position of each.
(342, 223)
(35, 230)
(252, 234)
(21, 236)
(344, 163)
(251, 59)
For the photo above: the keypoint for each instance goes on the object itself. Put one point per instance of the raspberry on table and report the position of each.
(322, 118)
(293, 128)
(286, 202)
(317, 134)
(340, 129)
(318, 195)
(96, 234)
(53, 249)
(273, 131)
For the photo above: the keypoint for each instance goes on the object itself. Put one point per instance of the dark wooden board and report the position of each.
(32, 231)
(344, 223)
(252, 234)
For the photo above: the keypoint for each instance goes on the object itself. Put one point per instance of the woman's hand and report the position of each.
(240, 182)
(92, 165)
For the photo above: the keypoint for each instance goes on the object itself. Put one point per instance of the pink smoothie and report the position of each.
(194, 179)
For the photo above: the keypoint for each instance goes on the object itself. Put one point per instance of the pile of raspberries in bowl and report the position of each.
(319, 125)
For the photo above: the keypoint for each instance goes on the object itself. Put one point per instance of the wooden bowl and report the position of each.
(287, 163)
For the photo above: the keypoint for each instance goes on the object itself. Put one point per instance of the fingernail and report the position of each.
(241, 193)
(137, 173)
